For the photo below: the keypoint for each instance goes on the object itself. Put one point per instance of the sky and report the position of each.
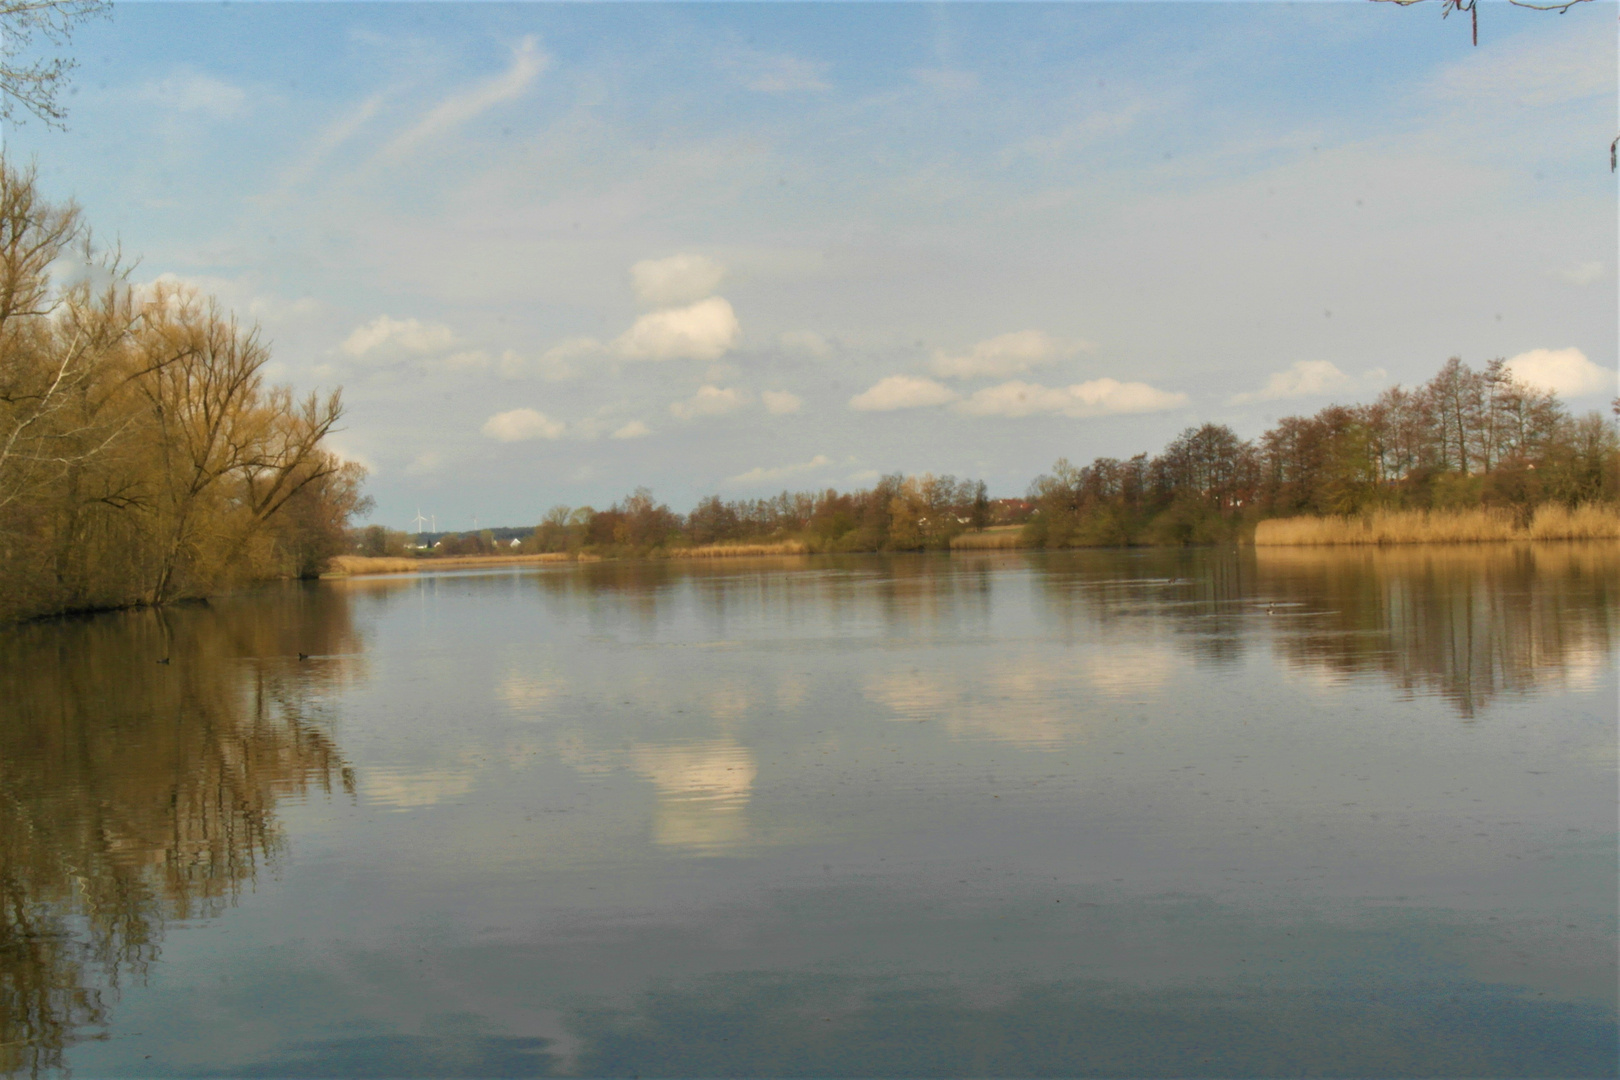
(554, 252)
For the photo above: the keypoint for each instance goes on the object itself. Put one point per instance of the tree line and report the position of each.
(1465, 439)
(143, 456)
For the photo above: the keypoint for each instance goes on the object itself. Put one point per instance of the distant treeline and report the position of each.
(898, 513)
(1463, 441)
(143, 458)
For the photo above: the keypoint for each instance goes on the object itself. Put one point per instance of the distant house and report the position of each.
(516, 542)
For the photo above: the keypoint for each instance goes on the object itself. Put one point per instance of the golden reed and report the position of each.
(724, 551)
(998, 539)
(1551, 522)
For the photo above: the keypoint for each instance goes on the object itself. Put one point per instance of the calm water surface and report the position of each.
(1160, 813)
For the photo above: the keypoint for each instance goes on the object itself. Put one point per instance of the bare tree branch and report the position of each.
(35, 87)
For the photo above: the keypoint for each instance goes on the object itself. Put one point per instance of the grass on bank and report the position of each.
(1550, 522)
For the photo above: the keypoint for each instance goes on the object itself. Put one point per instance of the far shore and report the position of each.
(1379, 528)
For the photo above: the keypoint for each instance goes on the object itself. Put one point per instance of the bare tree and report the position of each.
(1472, 8)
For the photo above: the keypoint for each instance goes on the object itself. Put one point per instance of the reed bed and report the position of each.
(726, 551)
(440, 562)
(352, 565)
(1551, 522)
(1003, 538)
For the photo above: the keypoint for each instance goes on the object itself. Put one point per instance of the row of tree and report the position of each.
(1464, 439)
(897, 513)
(143, 457)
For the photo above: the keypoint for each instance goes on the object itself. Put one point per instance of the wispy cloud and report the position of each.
(776, 73)
(196, 92)
(1304, 378)
(635, 429)
(1008, 354)
(528, 62)
(407, 335)
(762, 475)
(678, 279)
(1532, 70)
(334, 135)
(1099, 397)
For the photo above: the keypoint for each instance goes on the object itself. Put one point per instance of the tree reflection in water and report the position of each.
(1467, 622)
(134, 792)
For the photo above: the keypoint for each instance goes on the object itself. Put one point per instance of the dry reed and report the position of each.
(1002, 538)
(723, 551)
(492, 560)
(1589, 522)
(350, 565)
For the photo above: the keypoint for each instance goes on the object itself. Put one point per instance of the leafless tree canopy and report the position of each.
(142, 456)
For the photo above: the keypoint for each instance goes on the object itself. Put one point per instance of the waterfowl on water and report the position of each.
(303, 656)
(165, 660)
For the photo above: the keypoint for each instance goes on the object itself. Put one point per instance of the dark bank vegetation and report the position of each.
(143, 456)
(898, 513)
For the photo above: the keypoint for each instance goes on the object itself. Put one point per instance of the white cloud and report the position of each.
(194, 92)
(519, 425)
(409, 335)
(781, 402)
(1099, 397)
(1304, 378)
(635, 429)
(528, 61)
(1583, 274)
(999, 357)
(705, 330)
(710, 401)
(902, 392)
(761, 475)
(1566, 372)
(679, 279)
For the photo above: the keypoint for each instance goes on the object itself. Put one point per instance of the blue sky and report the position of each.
(552, 252)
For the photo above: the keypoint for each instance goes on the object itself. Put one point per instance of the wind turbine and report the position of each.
(419, 520)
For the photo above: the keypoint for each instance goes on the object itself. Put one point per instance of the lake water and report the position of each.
(1202, 813)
